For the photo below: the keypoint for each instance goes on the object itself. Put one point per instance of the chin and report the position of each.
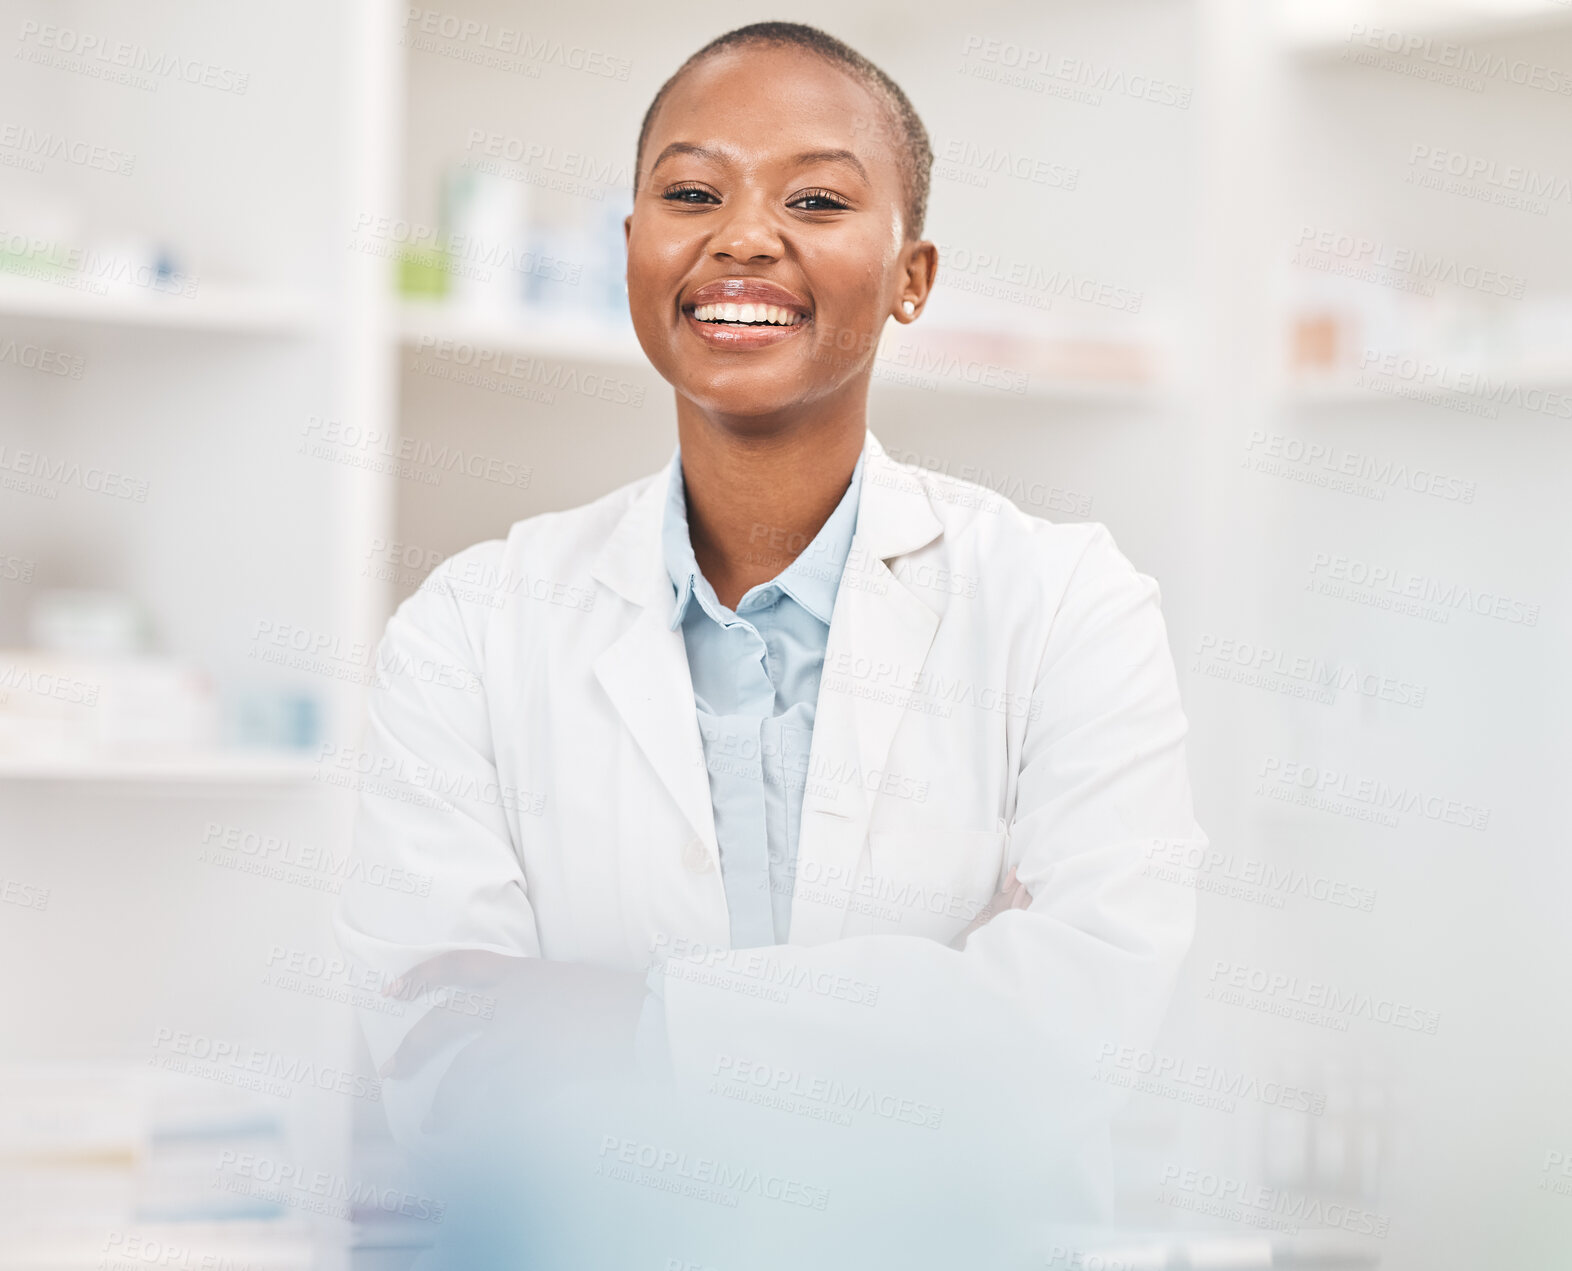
(747, 418)
(748, 407)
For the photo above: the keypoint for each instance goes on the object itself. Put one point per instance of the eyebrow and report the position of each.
(797, 160)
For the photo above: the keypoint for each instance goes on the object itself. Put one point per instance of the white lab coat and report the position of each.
(997, 691)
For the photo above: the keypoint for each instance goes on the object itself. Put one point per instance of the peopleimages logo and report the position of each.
(1379, 800)
(972, 162)
(1034, 68)
(293, 860)
(39, 146)
(333, 439)
(789, 1084)
(120, 61)
(317, 1191)
(1236, 1197)
(1449, 56)
(39, 473)
(679, 952)
(1038, 279)
(60, 688)
(531, 153)
(729, 1180)
(1279, 670)
(925, 689)
(1425, 379)
(1506, 178)
(504, 47)
(1388, 586)
(1555, 1175)
(255, 1068)
(1326, 464)
(1246, 878)
(46, 361)
(1204, 1084)
(1278, 993)
(1371, 258)
(416, 781)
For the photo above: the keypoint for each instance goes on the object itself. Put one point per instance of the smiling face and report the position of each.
(770, 181)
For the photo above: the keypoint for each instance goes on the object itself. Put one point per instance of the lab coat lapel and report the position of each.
(880, 633)
(645, 671)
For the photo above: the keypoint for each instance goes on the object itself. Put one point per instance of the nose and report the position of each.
(747, 230)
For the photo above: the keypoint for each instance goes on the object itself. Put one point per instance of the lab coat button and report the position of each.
(696, 857)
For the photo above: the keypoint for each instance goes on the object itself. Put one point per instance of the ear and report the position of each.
(920, 265)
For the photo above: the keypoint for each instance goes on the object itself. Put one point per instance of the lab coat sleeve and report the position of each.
(1038, 992)
(434, 867)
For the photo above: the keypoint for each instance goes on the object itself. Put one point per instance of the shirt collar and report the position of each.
(812, 579)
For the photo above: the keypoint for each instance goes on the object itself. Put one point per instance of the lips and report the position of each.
(748, 295)
(739, 291)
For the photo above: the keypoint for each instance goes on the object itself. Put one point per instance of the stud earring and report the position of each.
(910, 307)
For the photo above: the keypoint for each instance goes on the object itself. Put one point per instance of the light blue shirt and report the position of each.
(755, 674)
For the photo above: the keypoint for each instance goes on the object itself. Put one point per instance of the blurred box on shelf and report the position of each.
(1018, 341)
(1340, 328)
(89, 623)
(271, 718)
(1019, 362)
(581, 267)
(485, 229)
(90, 689)
(193, 1246)
(59, 703)
(106, 1152)
(493, 259)
(422, 272)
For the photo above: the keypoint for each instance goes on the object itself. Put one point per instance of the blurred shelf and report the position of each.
(1000, 362)
(277, 1245)
(567, 336)
(1333, 392)
(1156, 1249)
(212, 309)
(191, 768)
(1038, 389)
(1323, 30)
(1338, 390)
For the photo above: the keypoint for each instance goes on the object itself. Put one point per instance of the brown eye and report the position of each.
(681, 193)
(827, 202)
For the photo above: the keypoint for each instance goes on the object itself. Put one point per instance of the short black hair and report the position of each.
(916, 162)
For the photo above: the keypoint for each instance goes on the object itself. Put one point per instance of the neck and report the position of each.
(756, 502)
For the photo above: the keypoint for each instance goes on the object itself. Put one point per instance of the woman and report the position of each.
(763, 741)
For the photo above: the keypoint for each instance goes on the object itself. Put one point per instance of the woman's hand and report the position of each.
(545, 1017)
(477, 973)
(1013, 895)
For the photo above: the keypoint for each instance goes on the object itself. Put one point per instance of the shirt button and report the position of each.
(696, 857)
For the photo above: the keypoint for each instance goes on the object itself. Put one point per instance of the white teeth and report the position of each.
(754, 313)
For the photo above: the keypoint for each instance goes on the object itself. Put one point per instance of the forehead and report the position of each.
(768, 102)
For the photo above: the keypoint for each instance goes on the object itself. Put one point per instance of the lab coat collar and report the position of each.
(879, 636)
(894, 517)
(676, 544)
(811, 578)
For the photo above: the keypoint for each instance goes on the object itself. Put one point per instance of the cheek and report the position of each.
(851, 290)
(856, 270)
(642, 273)
(654, 263)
